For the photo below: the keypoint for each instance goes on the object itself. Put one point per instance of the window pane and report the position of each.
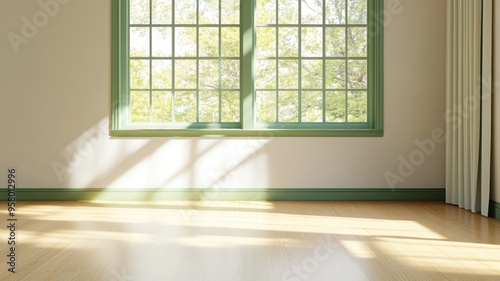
(335, 11)
(162, 107)
(335, 106)
(139, 74)
(209, 106)
(266, 106)
(288, 12)
(312, 41)
(162, 41)
(139, 106)
(230, 41)
(266, 74)
(312, 74)
(162, 74)
(209, 12)
(288, 41)
(192, 73)
(312, 106)
(357, 11)
(312, 11)
(357, 107)
(139, 41)
(209, 41)
(357, 40)
(185, 41)
(266, 11)
(357, 74)
(335, 42)
(335, 74)
(185, 12)
(209, 74)
(185, 106)
(288, 106)
(230, 10)
(185, 74)
(162, 11)
(139, 11)
(266, 42)
(230, 74)
(230, 106)
(288, 74)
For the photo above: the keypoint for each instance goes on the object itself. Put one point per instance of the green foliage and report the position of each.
(139, 106)
(139, 12)
(335, 74)
(303, 72)
(357, 106)
(161, 11)
(335, 41)
(335, 11)
(312, 106)
(288, 41)
(162, 106)
(185, 12)
(288, 74)
(335, 110)
(357, 11)
(288, 105)
(266, 106)
(230, 108)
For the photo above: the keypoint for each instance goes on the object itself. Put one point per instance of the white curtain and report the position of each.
(468, 115)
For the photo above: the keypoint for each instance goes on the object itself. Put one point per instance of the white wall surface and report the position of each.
(55, 96)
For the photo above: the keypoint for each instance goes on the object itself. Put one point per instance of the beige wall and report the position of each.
(495, 194)
(56, 91)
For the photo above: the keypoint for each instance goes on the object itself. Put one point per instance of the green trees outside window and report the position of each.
(231, 67)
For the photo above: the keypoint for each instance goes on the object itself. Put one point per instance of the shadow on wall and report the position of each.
(93, 160)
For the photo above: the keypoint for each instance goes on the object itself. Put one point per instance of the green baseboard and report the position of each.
(494, 210)
(69, 194)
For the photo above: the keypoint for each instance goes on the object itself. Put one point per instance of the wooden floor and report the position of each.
(232, 241)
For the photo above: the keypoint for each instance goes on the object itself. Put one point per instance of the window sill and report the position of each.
(268, 133)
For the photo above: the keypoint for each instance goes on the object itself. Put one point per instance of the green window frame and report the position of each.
(337, 92)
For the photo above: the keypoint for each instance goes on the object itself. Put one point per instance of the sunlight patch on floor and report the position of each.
(431, 253)
(317, 240)
(358, 249)
(193, 214)
(222, 242)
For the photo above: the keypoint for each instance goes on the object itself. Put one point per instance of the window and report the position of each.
(247, 67)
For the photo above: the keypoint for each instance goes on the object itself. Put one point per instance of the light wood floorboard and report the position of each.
(252, 241)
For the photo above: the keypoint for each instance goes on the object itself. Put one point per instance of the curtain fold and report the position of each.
(468, 99)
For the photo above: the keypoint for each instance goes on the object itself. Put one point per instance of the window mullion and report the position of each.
(346, 62)
(150, 61)
(324, 61)
(197, 61)
(220, 60)
(247, 37)
(299, 31)
(277, 65)
(371, 57)
(174, 89)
